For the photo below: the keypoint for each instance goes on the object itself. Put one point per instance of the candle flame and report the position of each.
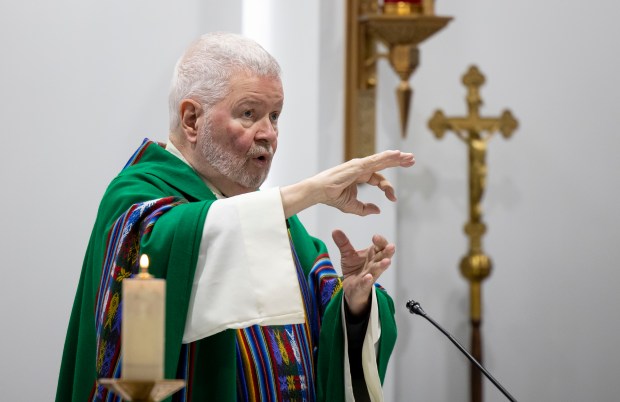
(144, 261)
(144, 267)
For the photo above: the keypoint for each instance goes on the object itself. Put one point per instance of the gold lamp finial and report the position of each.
(401, 25)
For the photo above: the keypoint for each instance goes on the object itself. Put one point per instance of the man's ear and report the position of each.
(190, 112)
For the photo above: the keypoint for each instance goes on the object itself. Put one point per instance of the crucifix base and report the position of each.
(142, 391)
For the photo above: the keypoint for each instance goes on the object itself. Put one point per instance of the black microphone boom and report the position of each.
(415, 308)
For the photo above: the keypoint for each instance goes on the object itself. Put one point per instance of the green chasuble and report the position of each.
(157, 205)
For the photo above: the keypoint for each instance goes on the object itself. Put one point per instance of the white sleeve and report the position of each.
(245, 274)
(369, 355)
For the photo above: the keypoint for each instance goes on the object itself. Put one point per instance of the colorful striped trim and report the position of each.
(278, 363)
(135, 158)
(120, 262)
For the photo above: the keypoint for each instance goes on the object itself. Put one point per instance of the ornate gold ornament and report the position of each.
(142, 391)
(401, 26)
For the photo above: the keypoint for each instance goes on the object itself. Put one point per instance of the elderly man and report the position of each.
(254, 308)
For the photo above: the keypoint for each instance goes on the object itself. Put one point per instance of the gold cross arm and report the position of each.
(473, 125)
(506, 124)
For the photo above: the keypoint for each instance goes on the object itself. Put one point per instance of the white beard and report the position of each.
(235, 168)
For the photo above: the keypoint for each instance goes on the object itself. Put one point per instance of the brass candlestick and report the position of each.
(401, 28)
(475, 131)
(142, 391)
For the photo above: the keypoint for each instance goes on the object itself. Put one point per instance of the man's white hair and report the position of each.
(203, 73)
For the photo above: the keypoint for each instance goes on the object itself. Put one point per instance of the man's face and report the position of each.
(240, 134)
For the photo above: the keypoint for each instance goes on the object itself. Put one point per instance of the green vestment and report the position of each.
(172, 244)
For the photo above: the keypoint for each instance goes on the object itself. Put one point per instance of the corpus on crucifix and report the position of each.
(475, 131)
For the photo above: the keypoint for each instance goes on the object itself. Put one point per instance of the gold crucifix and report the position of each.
(475, 131)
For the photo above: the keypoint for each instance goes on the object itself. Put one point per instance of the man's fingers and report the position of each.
(373, 164)
(381, 267)
(360, 208)
(342, 242)
(379, 242)
(375, 179)
(387, 159)
(406, 159)
(387, 189)
(378, 180)
(380, 255)
(369, 208)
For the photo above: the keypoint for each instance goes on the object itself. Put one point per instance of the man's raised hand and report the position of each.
(362, 268)
(337, 186)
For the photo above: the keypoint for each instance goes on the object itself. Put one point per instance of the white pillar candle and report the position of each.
(142, 331)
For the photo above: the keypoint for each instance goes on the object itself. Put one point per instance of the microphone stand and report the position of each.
(415, 308)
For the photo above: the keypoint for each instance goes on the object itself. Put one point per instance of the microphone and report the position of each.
(415, 308)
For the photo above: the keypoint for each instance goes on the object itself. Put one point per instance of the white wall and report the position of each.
(550, 306)
(83, 82)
